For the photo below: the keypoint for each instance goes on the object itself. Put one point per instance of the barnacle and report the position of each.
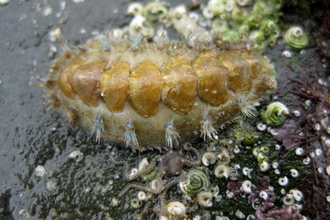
(296, 38)
(275, 114)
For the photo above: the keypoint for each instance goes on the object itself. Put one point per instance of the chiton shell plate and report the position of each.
(154, 85)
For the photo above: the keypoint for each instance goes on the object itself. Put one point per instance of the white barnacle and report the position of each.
(246, 107)
(328, 170)
(97, 128)
(246, 186)
(283, 181)
(209, 158)
(76, 155)
(40, 170)
(207, 130)
(171, 134)
(130, 136)
(176, 209)
(24, 213)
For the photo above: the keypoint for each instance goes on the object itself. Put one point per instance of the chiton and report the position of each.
(157, 95)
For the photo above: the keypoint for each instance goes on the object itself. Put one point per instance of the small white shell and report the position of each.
(297, 194)
(261, 127)
(40, 170)
(283, 181)
(143, 164)
(176, 208)
(328, 198)
(264, 166)
(247, 171)
(294, 173)
(306, 161)
(133, 171)
(141, 195)
(76, 155)
(264, 195)
(246, 186)
(288, 199)
(318, 152)
(222, 171)
(299, 151)
(204, 199)
(209, 158)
